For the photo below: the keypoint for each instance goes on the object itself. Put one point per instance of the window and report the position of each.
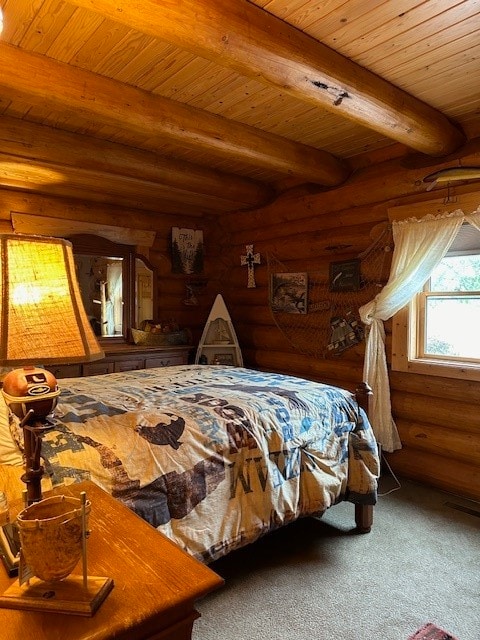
(439, 332)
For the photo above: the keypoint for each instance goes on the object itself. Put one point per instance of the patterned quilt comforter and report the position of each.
(213, 456)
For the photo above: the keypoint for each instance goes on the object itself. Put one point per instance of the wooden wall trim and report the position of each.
(467, 202)
(44, 225)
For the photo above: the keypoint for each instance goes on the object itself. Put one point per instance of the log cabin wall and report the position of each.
(171, 287)
(437, 418)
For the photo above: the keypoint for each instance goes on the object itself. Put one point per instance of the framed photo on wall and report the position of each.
(345, 275)
(289, 292)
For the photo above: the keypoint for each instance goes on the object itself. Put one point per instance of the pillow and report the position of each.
(9, 451)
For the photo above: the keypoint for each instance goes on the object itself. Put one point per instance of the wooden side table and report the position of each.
(156, 583)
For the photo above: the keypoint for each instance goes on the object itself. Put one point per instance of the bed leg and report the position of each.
(364, 517)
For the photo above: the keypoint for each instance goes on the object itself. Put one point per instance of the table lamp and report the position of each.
(42, 320)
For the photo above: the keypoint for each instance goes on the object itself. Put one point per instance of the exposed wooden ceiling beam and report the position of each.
(59, 86)
(244, 37)
(76, 156)
(67, 182)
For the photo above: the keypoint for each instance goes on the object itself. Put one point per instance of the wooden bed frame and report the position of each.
(364, 512)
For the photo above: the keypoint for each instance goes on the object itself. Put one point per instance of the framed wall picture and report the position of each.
(345, 275)
(289, 292)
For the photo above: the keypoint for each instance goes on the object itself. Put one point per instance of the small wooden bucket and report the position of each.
(51, 536)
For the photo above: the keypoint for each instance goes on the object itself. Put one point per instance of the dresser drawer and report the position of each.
(66, 370)
(166, 360)
(130, 365)
(98, 368)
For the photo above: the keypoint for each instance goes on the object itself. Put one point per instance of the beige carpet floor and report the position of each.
(315, 580)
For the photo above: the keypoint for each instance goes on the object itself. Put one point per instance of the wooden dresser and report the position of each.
(155, 588)
(125, 357)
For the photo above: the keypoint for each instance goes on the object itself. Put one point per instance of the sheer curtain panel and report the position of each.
(420, 244)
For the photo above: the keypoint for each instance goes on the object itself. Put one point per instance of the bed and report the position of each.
(213, 456)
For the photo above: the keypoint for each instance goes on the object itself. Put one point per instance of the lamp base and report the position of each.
(10, 548)
(67, 596)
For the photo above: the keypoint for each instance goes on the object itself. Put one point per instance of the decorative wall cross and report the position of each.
(250, 260)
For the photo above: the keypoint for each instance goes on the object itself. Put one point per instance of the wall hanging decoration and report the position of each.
(329, 324)
(288, 292)
(344, 333)
(250, 260)
(452, 174)
(187, 250)
(345, 275)
(194, 288)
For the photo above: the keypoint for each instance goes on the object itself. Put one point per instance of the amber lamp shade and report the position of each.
(42, 318)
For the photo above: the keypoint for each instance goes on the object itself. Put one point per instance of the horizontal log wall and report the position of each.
(438, 419)
(171, 289)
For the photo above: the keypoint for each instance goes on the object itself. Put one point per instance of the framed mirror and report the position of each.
(117, 286)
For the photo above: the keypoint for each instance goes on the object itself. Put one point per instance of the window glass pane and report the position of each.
(457, 273)
(452, 326)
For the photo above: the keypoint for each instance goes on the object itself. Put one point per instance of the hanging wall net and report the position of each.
(318, 312)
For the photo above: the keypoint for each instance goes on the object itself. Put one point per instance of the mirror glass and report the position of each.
(143, 292)
(101, 283)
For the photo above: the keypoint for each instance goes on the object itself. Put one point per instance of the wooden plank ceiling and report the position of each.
(207, 106)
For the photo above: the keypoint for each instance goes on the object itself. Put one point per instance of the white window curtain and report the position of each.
(420, 244)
